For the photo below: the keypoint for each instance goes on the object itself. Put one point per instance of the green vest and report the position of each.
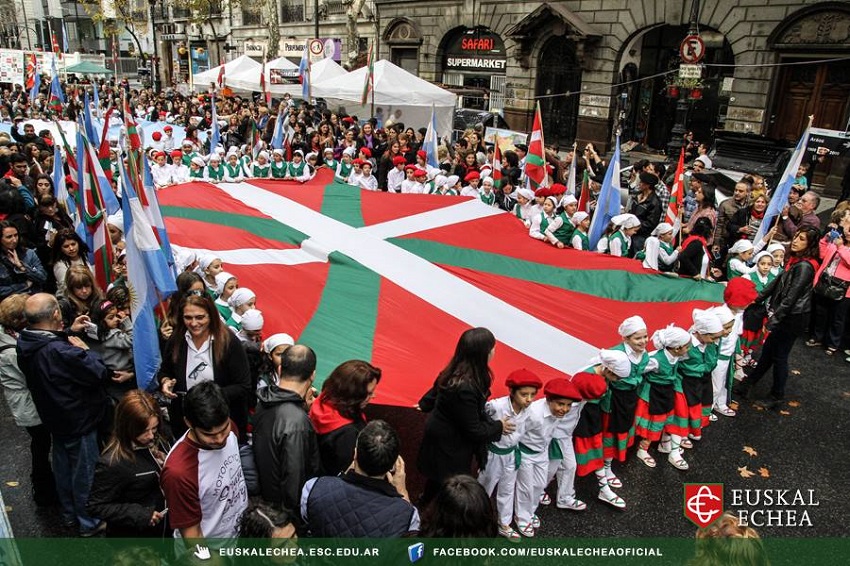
(636, 375)
(619, 236)
(698, 363)
(187, 159)
(331, 163)
(296, 170)
(260, 171)
(544, 222)
(585, 241)
(759, 285)
(343, 170)
(217, 174)
(565, 232)
(452, 193)
(199, 174)
(488, 199)
(234, 170)
(278, 171)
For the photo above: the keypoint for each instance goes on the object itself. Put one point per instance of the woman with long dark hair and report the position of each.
(694, 259)
(20, 268)
(789, 304)
(201, 348)
(125, 492)
(461, 509)
(337, 414)
(458, 428)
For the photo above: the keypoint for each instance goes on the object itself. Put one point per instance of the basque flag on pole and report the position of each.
(429, 144)
(608, 203)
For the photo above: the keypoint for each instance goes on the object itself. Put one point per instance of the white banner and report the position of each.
(12, 66)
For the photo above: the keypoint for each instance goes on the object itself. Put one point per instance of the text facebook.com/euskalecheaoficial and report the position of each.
(457, 552)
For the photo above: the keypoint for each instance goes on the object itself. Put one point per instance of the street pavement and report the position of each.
(803, 448)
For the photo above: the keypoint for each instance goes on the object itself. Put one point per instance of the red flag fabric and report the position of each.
(535, 160)
(31, 69)
(584, 195)
(221, 76)
(676, 196)
(497, 165)
(130, 124)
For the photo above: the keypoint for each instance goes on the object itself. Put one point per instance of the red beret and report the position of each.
(366, 151)
(589, 385)
(176, 153)
(541, 192)
(348, 120)
(421, 154)
(163, 113)
(561, 388)
(557, 189)
(357, 161)
(399, 160)
(740, 292)
(159, 154)
(156, 136)
(168, 129)
(523, 378)
(418, 172)
(472, 175)
(410, 167)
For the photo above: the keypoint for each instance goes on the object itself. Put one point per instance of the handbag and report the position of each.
(831, 288)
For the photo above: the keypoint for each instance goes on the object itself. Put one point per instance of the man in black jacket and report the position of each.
(647, 208)
(286, 449)
(370, 499)
(66, 380)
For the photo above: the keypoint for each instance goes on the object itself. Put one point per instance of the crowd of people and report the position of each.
(235, 441)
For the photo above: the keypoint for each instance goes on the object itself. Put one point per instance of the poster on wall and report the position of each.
(508, 139)
(11, 66)
(200, 59)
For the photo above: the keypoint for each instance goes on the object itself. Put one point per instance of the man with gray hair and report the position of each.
(808, 206)
(66, 381)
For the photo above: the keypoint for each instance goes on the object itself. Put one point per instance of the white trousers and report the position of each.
(565, 470)
(530, 483)
(719, 377)
(501, 475)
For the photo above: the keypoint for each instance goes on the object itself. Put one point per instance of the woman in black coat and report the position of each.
(125, 491)
(216, 354)
(694, 259)
(458, 428)
(789, 304)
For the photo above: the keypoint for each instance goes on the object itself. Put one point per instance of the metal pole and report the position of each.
(680, 127)
(316, 19)
(26, 23)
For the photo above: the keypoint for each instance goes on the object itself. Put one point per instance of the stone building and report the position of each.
(573, 56)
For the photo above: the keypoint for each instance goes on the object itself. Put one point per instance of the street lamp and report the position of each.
(680, 127)
(155, 59)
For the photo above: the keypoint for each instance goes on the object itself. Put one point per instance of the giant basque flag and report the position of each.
(396, 279)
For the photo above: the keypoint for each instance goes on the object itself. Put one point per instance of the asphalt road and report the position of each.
(804, 449)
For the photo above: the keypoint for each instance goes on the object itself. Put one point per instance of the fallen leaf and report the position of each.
(764, 472)
(8, 508)
(785, 413)
(12, 483)
(795, 372)
(750, 450)
(745, 472)
(793, 403)
(758, 407)
(734, 404)
(846, 394)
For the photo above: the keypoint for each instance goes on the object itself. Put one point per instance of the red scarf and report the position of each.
(699, 239)
(794, 260)
(756, 214)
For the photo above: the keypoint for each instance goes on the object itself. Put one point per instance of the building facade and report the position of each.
(600, 65)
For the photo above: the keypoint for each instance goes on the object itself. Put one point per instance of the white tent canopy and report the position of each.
(324, 70)
(399, 97)
(281, 78)
(240, 64)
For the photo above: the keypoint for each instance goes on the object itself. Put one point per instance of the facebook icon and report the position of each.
(415, 552)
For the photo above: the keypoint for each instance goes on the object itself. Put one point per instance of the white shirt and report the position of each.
(199, 365)
(179, 173)
(394, 180)
(469, 191)
(502, 408)
(539, 426)
(161, 175)
(369, 183)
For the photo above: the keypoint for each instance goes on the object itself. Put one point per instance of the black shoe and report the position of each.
(100, 528)
(742, 389)
(44, 497)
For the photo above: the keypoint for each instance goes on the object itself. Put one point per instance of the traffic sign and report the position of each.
(690, 71)
(692, 49)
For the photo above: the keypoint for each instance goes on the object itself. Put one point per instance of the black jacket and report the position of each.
(232, 374)
(286, 450)
(457, 429)
(648, 212)
(66, 382)
(789, 298)
(337, 447)
(690, 259)
(125, 495)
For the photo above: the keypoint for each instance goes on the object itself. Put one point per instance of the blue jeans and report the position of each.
(74, 459)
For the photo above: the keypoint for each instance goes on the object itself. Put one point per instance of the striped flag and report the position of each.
(277, 137)
(535, 160)
(150, 202)
(584, 193)
(267, 96)
(33, 81)
(783, 189)
(55, 45)
(115, 56)
(65, 47)
(608, 203)
(571, 174)
(133, 138)
(429, 144)
(215, 134)
(674, 207)
(93, 211)
(150, 278)
(60, 188)
(304, 74)
(497, 166)
(369, 83)
(57, 97)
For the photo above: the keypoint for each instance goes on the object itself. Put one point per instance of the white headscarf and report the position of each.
(568, 199)
(221, 280)
(616, 361)
(775, 248)
(630, 326)
(527, 193)
(626, 221)
(723, 313)
(240, 296)
(252, 319)
(276, 340)
(662, 228)
(579, 217)
(706, 322)
(670, 337)
(205, 260)
(741, 246)
(761, 254)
